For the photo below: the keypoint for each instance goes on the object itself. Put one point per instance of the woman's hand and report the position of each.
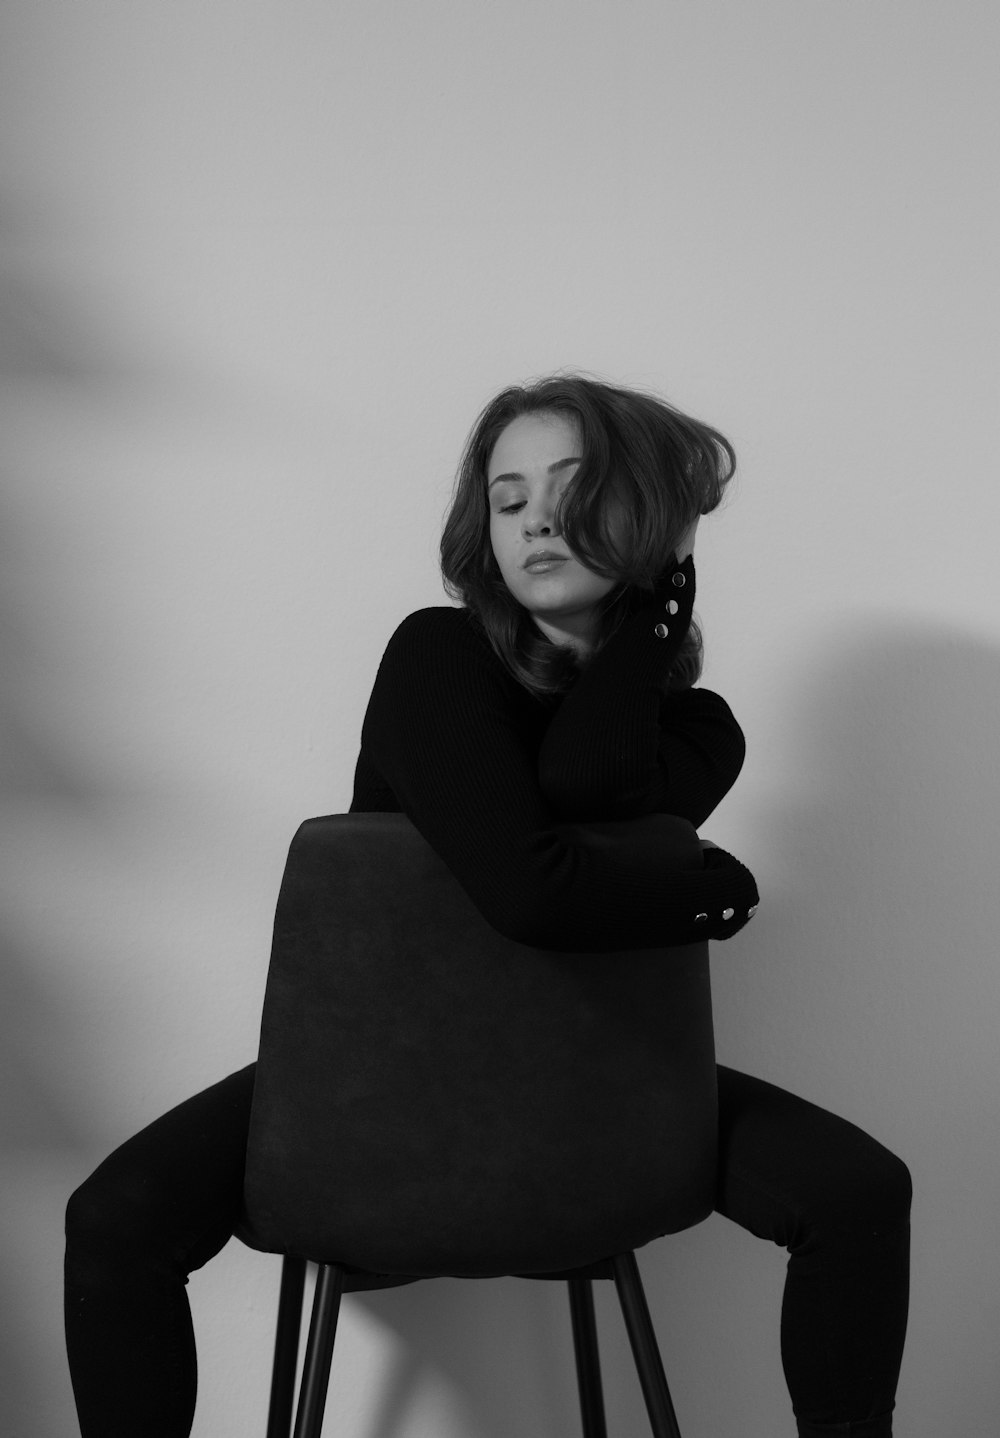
(685, 544)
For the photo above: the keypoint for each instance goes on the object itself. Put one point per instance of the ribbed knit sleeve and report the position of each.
(620, 746)
(454, 739)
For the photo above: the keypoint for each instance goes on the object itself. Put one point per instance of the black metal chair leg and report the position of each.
(662, 1417)
(588, 1363)
(286, 1347)
(319, 1351)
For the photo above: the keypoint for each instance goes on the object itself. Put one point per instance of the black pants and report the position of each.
(166, 1201)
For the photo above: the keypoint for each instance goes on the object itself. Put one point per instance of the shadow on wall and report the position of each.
(890, 848)
(872, 984)
(43, 1135)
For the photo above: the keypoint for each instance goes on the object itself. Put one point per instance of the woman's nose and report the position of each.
(539, 519)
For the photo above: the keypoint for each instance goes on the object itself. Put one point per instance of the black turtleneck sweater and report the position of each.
(542, 811)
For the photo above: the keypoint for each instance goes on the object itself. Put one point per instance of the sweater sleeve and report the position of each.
(447, 730)
(620, 745)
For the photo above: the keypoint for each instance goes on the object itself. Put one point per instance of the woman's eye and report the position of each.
(512, 508)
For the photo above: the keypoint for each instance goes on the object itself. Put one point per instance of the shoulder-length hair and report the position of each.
(646, 473)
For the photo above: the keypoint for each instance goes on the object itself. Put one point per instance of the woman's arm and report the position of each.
(450, 733)
(620, 746)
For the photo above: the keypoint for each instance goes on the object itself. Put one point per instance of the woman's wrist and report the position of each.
(666, 615)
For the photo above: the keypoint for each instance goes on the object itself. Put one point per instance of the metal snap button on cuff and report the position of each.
(701, 918)
(679, 581)
(752, 910)
(728, 913)
(661, 631)
(672, 606)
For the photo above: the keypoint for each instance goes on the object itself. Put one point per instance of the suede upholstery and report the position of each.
(433, 1098)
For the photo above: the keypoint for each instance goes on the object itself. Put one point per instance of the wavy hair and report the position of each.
(647, 472)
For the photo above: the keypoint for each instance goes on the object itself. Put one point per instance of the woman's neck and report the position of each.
(580, 637)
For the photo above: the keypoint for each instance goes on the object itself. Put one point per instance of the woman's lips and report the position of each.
(544, 560)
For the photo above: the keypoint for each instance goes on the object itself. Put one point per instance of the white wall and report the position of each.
(261, 265)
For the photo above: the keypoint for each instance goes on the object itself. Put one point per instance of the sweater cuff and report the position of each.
(651, 639)
(739, 899)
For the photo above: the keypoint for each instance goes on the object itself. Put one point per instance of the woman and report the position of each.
(561, 690)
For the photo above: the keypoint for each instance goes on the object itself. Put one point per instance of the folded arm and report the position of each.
(446, 729)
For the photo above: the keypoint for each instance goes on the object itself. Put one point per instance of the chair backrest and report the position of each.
(433, 1098)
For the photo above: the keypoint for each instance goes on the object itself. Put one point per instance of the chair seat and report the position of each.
(360, 1280)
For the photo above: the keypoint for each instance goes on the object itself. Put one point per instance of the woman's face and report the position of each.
(533, 462)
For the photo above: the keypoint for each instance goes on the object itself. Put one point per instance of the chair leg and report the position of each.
(286, 1347)
(588, 1363)
(319, 1351)
(662, 1418)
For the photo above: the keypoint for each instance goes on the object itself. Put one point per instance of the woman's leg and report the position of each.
(839, 1202)
(159, 1207)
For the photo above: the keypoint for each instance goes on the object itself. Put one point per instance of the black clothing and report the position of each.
(492, 777)
(497, 781)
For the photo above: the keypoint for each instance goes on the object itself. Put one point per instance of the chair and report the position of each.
(433, 1099)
